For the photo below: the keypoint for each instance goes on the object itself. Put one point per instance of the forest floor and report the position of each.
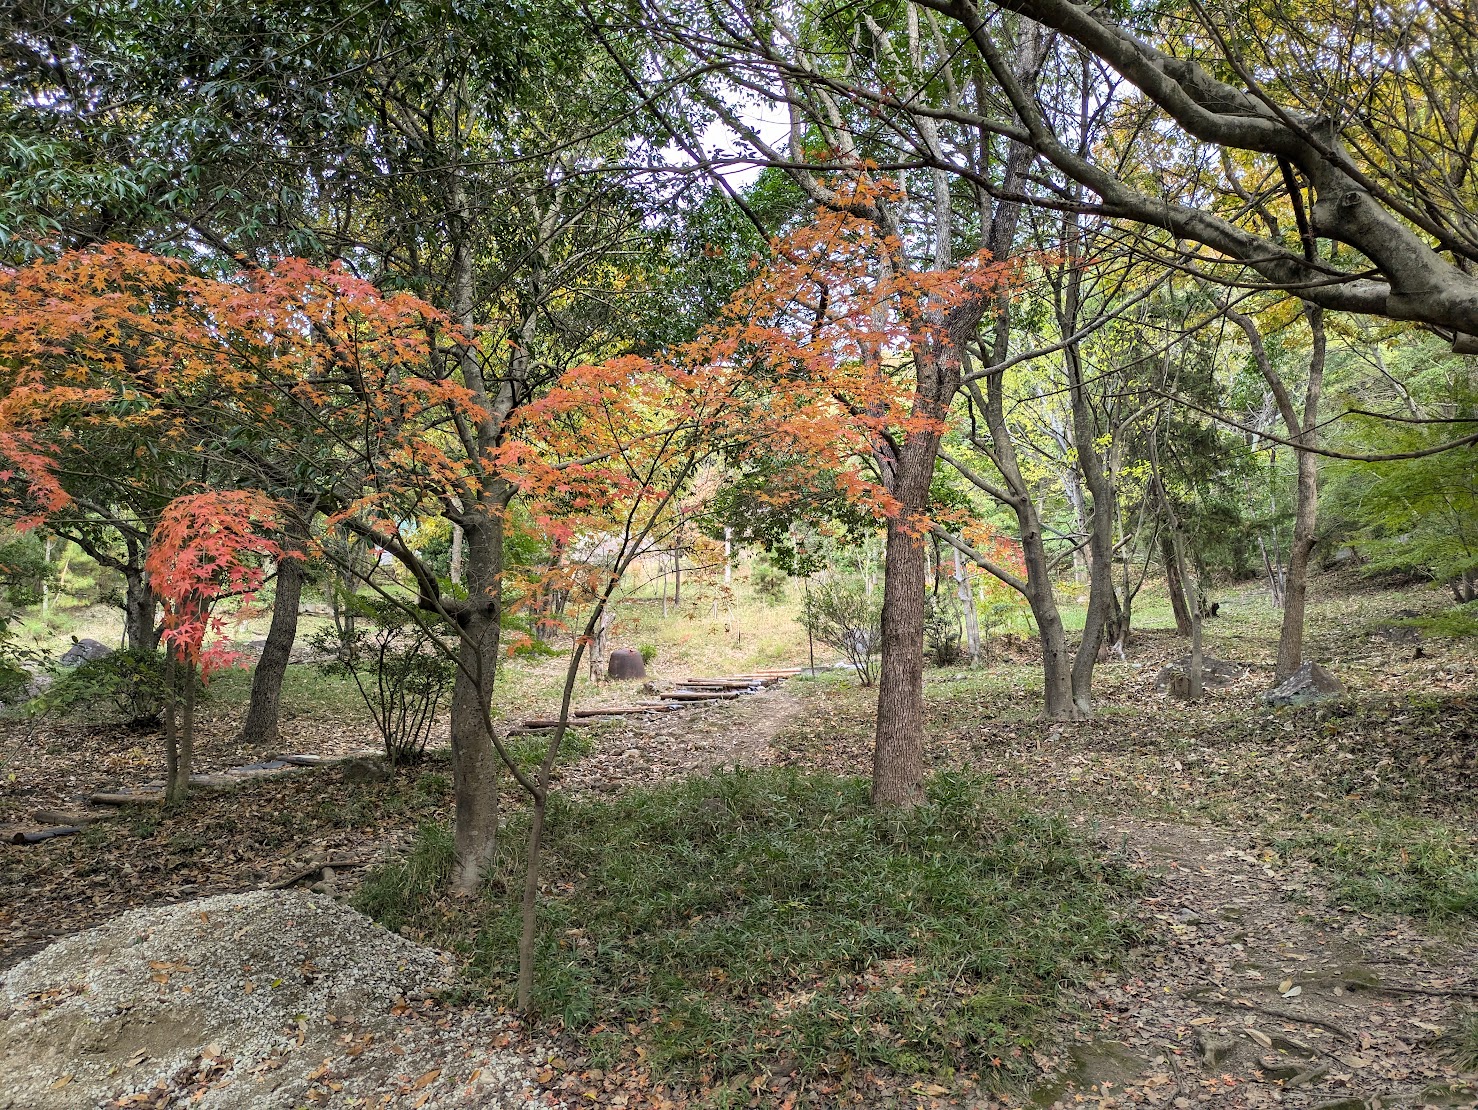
(1309, 905)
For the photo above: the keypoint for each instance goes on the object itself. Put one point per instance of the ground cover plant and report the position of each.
(774, 921)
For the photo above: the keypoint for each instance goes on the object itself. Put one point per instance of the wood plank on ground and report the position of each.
(127, 799)
(19, 835)
(70, 816)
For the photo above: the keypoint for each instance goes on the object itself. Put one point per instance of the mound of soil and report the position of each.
(259, 999)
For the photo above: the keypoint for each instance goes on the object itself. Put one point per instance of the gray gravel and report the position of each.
(262, 999)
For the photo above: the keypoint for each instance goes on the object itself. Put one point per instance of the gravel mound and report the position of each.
(261, 999)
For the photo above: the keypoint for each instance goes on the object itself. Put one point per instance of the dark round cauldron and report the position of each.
(626, 663)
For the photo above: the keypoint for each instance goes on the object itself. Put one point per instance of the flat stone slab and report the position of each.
(258, 768)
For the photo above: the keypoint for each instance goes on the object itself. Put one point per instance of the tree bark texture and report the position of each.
(1175, 585)
(898, 750)
(475, 763)
(260, 727)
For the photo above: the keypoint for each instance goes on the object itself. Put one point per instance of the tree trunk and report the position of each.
(260, 727)
(474, 759)
(140, 612)
(1295, 591)
(1100, 519)
(1306, 508)
(967, 603)
(454, 566)
(898, 751)
(1176, 585)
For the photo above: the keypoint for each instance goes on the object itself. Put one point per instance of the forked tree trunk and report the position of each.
(262, 712)
(1303, 430)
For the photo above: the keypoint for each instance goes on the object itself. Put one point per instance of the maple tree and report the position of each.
(206, 548)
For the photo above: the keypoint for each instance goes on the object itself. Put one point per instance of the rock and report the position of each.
(1308, 685)
(84, 651)
(1215, 1051)
(1215, 673)
(158, 992)
(1275, 1067)
(366, 769)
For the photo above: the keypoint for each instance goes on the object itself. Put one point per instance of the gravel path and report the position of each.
(256, 1000)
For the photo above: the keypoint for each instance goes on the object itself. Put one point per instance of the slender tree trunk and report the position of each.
(260, 727)
(172, 792)
(1303, 429)
(1101, 522)
(967, 604)
(1176, 585)
(1306, 508)
(1295, 591)
(475, 762)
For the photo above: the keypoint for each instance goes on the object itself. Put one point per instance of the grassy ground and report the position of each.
(773, 922)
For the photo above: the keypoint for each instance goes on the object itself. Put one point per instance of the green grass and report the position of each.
(529, 750)
(306, 692)
(1465, 1041)
(1382, 864)
(748, 920)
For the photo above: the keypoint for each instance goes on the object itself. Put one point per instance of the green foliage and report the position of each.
(943, 629)
(768, 581)
(1416, 515)
(24, 570)
(127, 686)
(1458, 623)
(528, 751)
(399, 669)
(1408, 864)
(648, 653)
(842, 616)
(748, 918)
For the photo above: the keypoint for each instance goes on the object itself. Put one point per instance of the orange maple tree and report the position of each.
(206, 547)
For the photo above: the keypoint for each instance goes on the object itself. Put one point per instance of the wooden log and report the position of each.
(721, 683)
(36, 836)
(608, 711)
(127, 799)
(701, 695)
(70, 816)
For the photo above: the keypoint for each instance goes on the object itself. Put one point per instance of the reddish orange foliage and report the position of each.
(209, 546)
(294, 361)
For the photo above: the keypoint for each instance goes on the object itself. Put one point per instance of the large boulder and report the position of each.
(1308, 685)
(250, 1001)
(1215, 673)
(84, 651)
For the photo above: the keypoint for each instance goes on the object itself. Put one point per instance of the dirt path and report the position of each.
(659, 747)
(1255, 992)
